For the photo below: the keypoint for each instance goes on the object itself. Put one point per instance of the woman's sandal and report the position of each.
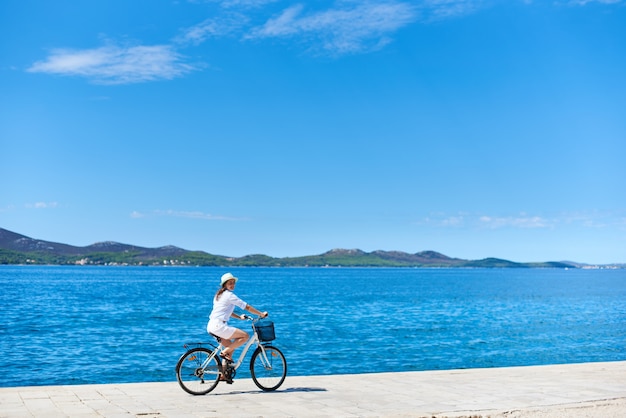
(226, 356)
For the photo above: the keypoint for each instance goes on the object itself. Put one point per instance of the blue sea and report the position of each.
(80, 324)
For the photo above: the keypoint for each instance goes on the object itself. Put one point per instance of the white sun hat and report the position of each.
(226, 277)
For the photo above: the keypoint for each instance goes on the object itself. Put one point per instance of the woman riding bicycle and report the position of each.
(224, 305)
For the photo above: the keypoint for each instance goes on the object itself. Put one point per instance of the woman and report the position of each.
(224, 305)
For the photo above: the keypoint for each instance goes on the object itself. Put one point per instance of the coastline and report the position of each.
(565, 390)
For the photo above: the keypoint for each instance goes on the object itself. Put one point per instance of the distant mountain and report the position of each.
(16, 242)
(20, 249)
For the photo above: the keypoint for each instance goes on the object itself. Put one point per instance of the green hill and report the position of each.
(20, 249)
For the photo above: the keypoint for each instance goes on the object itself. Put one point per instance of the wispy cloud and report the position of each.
(525, 221)
(41, 205)
(584, 2)
(333, 28)
(433, 10)
(225, 25)
(350, 28)
(184, 214)
(116, 65)
(237, 3)
(519, 221)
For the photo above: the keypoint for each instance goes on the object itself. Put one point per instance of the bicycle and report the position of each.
(200, 369)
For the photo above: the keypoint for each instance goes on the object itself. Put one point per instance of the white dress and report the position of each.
(222, 309)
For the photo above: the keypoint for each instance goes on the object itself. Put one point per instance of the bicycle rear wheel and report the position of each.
(268, 371)
(197, 375)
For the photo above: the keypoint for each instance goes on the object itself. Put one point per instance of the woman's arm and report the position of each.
(255, 311)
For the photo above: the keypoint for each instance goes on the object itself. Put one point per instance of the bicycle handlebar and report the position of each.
(252, 318)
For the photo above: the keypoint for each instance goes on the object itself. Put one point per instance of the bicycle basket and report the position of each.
(265, 331)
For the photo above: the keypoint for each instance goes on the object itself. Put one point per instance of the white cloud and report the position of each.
(453, 221)
(521, 221)
(596, 219)
(354, 27)
(445, 9)
(191, 215)
(584, 2)
(444, 220)
(236, 3)
(463, 220)
(42, 205)
(587, 219)
(346, 27)
(212, 28)
(115, 65)
(184, 214)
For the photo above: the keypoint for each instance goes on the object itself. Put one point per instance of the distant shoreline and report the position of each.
(17, 249)
(78, 265)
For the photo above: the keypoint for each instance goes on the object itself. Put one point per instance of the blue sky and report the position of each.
(473, 128)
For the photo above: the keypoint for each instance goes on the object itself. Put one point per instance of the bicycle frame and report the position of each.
(253, 340)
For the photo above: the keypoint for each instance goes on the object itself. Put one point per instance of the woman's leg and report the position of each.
(236, 340)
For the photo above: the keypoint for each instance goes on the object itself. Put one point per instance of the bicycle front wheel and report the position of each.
(195, 373)
(268, 368)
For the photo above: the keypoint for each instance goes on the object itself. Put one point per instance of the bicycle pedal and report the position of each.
(226, 379)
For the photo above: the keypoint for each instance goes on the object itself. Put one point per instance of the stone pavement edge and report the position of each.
(567, 390)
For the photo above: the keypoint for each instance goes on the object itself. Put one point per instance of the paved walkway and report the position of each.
(581, 390)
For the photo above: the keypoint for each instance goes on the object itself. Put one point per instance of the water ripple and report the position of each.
(74, 325)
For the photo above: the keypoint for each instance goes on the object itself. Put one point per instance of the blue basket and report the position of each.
(265, 330)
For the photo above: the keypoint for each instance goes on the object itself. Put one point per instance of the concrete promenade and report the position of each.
(572, 390)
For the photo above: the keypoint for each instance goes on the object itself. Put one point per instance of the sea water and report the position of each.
(83, 324)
